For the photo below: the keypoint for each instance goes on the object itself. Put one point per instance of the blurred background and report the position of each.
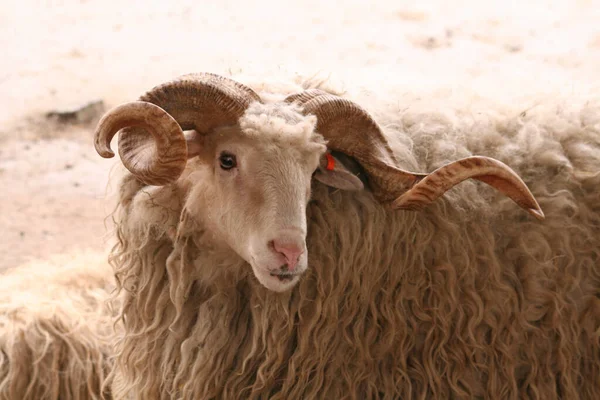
(62, 63)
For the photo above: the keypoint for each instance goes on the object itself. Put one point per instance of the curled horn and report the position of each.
(152, 145)
(491, 171)
(350, 129)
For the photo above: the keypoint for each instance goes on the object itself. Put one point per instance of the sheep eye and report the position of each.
(227, 161)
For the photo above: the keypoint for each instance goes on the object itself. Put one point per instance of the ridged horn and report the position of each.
(350, 129)
(152, 145)
(491, 171)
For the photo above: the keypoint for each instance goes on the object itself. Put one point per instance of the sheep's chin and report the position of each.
(274, 283)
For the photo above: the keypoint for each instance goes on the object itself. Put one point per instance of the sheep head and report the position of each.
(251, 164)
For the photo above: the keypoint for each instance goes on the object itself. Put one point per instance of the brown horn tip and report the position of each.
(537, 213)
(156, 158)
(488, 170)
(113, 121)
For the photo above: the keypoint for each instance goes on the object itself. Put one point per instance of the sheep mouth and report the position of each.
(284, 276)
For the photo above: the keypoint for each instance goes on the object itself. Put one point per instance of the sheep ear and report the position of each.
(332, 172)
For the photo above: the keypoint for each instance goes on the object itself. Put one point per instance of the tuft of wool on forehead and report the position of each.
(279, 122)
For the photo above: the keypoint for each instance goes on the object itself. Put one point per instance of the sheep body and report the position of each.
(470, 298)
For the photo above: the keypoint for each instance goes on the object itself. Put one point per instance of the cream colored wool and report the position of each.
(470, 298)
(56, 330)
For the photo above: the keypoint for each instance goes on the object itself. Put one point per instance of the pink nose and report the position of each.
(290, 251)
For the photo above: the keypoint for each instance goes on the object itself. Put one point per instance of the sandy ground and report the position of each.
(56, 54)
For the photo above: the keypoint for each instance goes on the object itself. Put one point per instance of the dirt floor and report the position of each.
(59, 54)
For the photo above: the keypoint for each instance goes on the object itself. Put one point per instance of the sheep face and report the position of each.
(251, 188)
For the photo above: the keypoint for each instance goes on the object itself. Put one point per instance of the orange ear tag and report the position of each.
(330, 162)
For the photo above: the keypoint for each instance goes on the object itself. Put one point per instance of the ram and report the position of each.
(287, 247)
(272, 250)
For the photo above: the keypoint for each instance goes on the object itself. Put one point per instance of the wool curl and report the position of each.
(56, 329)
(470, 298)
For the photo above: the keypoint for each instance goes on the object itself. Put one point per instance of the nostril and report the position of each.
(290, 251)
